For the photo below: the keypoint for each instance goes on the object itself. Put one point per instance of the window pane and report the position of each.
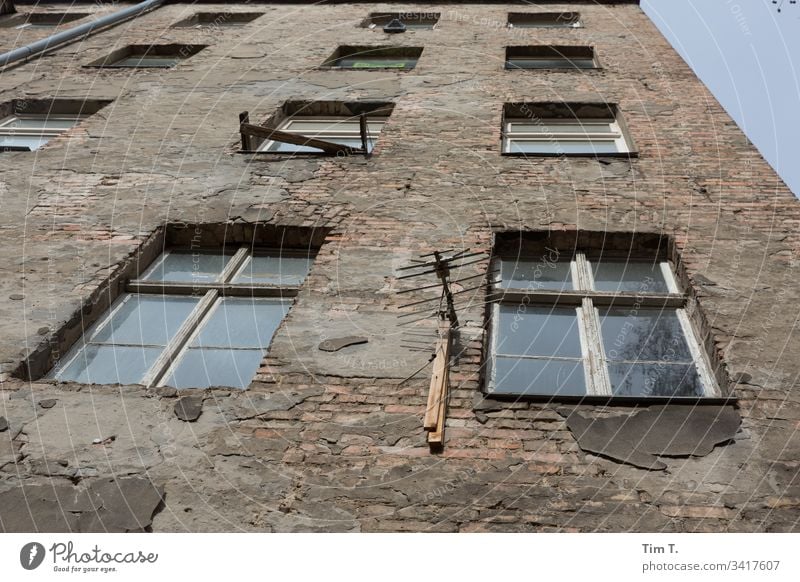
(109, 365)
(201, 368)
(309, 127)
(549, 126)
(242, 323)
(142, 61)
(145, 320)
(40, 122)
(628, 276)
(181, 267)
(376, 62)
(532, 275)
(545, 25)
(643, 335)
(537, 331)
(23, 141)
(552, 63)
(354, 142)
(274, 269)
(661, 379)
(557, 147)
(551, 377)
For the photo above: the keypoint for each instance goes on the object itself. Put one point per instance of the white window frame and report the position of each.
(615, 135)
(211, 293)
(331, 135)
(586, 302)
(7, 129)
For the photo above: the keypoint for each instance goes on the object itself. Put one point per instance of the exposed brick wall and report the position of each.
(348, 451)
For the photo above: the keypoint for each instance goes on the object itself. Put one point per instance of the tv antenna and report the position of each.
(442, 264)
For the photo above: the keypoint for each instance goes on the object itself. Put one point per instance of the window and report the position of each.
(341, 130)
(592, 325)
(411, 20)
(550, 57)
(194, 319)
(544, 20)
(371, 57)
(331, 121)
(147, 56)
(30, 131)
(41, 19)
(563, 129)
(215, 19)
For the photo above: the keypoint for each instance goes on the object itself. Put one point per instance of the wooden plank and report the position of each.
(439, 378)
(295, 139)
(362, 124)
(436, 437)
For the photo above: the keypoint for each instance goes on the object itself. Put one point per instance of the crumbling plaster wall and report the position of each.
(333, 441)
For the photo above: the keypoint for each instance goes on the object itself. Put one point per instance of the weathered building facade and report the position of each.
(334, 440)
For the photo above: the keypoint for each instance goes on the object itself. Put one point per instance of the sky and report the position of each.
(748, 54)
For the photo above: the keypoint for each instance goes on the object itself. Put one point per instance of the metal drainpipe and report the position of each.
(74, 33)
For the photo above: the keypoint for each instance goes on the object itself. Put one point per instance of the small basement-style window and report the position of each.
(590, 324)
(33, 20)
(544, 20)
(550, 57)
(563, 129)
(216, 19)
(374, 57)
(193, 319)
(411, 20)
(30, 131)
(147, 56)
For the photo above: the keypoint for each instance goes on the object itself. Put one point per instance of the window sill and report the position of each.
(301, 155)
(396, 69)
(632, 155)
(555, 69)
(598, 400)
(116, 67)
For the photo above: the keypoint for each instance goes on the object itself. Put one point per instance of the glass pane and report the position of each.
(550, 377)
(542, 274)
(291, 148)
(274, 269)
(545, 25)
(643, 334)
(629, 276)
(40, 122)
(23, 141)
(145, 320)
(142, 61)
(109, 365)
(548, 126)
(563, 147)
(242, 323)
(201, 368)
(550, 63)
(538, 331)
(659, 379)
(376, 62)
(191, 267)
(349, 125)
